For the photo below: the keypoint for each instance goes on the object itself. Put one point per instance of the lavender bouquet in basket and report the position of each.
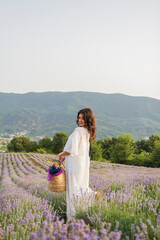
(54, 171)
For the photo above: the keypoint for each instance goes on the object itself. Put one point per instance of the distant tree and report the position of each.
(41, 150)
(19, 144)
(146, 145)
(107, 145)
(33, 146)
(142, 145)
(152, 140)
(142, 159)
(59, 141)
(123, 149)
(46, 143)
(13, 146)
(155, 156)
(96, 151)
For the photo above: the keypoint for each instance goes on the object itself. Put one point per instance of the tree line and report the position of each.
(123, 149)
(45, 145)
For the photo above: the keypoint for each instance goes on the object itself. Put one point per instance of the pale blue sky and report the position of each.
(98, 46)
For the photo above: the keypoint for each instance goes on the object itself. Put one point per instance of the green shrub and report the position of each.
(46, 143)
(142, 159)
(41, 150)
(155, 156)
(123, 149)
(59, 141)
(96, 151)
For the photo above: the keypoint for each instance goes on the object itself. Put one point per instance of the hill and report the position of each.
(44, 114)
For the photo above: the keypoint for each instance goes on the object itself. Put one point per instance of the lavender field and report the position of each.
(130, 208)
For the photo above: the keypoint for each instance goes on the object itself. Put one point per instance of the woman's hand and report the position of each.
(60, 157)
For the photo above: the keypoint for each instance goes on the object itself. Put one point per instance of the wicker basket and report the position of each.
(57, 183)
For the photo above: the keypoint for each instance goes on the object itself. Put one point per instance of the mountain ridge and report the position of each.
(45, 113)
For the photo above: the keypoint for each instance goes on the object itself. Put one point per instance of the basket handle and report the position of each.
(59, 163)
(62, 164)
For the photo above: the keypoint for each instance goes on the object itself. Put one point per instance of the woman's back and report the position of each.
(78, 146)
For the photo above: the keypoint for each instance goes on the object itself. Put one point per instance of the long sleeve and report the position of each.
(72, 145)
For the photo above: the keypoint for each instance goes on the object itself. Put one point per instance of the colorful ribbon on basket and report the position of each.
(54, 171)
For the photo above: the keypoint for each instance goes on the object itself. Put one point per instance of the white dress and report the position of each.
(77, 171)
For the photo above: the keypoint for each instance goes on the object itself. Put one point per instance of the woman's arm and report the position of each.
(64, 153)
(61, 156)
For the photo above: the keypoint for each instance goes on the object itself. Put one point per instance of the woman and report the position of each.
(77, 160)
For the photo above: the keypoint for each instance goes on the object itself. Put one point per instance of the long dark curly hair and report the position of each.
(90, 121)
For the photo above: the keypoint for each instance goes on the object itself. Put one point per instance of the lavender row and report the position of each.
(124, 198)
(29, 166)
(17, 164)
(29, 171)
(36, 160)
(24, 216)
(21, 212)
(20, 179)
(44, 160)
(34, 184)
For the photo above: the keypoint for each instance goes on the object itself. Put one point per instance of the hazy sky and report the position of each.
(80, 45)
